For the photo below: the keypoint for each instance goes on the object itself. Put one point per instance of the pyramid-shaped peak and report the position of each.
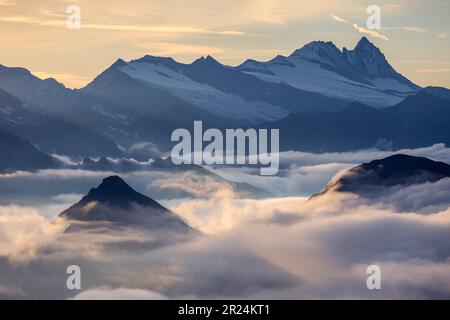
(364, 42)
(364, 45)
(210, 59)
(116, 191)
(115, 201)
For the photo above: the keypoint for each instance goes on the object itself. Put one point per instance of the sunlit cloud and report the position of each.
(170, 49)
(338, 19)
(7, 2)
(123, 27)
(443, 35)
(23, 231)
(370, 33)
(415, 29)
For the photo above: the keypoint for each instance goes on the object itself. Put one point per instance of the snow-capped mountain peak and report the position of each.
(180, 83)
(373, 63)
(319, 51)
(362, 74)
(369, 59)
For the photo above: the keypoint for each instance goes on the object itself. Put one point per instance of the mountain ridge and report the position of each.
(362, 74)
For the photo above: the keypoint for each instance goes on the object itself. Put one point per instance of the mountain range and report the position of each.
(320, 97)
(18, 154)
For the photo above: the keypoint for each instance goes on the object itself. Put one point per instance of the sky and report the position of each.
(414, 34)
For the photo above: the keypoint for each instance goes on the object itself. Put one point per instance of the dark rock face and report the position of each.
(418, 121)
(395, 170)
(18, 154)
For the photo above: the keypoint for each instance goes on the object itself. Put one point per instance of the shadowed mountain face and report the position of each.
(50, 132)
(114, 201)
(304, 95)
(18, 154)
(418, 121)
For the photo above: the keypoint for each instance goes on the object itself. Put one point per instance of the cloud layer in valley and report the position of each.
(274, 248)
(279, 247)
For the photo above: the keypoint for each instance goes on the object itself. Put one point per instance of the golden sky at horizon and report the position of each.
(414, 34)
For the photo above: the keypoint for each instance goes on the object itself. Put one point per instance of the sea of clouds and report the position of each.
(285, 246)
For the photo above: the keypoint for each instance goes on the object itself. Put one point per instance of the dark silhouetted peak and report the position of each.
(115, 191)
(116, 202)
(114, 184)
(398, 169)
(363, 44)
(405, 165)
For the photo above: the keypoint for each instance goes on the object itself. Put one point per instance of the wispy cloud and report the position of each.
(415, 29)
(7, 2)
(370, 33)
(338, 19)
(433, 70)
(365, 31)
(123, 27)
(443, 35)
